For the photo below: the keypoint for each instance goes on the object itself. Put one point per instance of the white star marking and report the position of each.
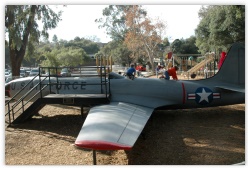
(204, 95)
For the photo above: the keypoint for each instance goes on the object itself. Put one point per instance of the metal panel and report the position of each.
(118, 124)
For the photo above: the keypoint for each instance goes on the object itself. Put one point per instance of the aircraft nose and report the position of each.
(7, 90)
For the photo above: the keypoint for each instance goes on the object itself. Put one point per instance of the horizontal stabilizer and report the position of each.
(230, 88)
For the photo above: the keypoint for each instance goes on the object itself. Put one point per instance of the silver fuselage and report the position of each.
(149, 92)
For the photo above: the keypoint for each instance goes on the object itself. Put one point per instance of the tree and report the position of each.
(114, 21)
(88, 46)
(7, 55)
(176, 46)
(189, 46)
(93, 38)
(185, 46)
(143, 32)
(165, 42)
(220, 26)
(129, 24)
(21, 24)
(71, 56)
(55, 39)
(118, 51)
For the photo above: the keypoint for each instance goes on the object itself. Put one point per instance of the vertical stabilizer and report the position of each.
(233, 68)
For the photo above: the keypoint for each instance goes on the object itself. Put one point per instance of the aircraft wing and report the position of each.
(113, 127)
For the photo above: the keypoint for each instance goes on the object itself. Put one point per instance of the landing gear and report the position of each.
(94, 157)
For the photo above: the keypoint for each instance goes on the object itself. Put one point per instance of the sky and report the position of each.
(79, 20)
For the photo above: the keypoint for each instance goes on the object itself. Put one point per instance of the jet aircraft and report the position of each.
(117, 125)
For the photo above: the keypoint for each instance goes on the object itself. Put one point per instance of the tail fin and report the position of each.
(232, 70)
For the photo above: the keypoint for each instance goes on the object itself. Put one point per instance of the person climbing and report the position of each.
(171, 72)
(222, 58)
(131, 72)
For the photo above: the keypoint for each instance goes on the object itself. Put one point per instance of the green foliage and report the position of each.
(71, 56)
(88, 46)
(18, 20)
(185, 46)
(64, 57)
(114, 21)
(51, 59)
(61, 53)
(165, 42)
(21, 25)
(118, 51)
(122, 55)
(55, 39)
(220, 26)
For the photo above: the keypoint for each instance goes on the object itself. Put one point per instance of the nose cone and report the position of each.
(7, 90)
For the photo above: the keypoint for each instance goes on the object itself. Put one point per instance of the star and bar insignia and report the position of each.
(203, 96)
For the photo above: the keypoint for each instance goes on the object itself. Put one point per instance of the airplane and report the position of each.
(117, 125)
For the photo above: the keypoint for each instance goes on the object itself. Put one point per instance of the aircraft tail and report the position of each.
(232, 70)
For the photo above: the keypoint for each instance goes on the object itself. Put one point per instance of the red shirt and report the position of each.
(172, 72)
(222, 58)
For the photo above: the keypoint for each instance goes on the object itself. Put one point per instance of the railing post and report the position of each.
(57, 82)
(101, 78)
(13, 118)
(22, 106)
(106, 90)
(9, 113)
(39, 74)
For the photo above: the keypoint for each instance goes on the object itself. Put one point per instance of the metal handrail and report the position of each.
(23, 104)
(43, 86)
(26, 94)
(20, 90)
(11, 110)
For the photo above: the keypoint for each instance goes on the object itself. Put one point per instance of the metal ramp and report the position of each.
(24, 109)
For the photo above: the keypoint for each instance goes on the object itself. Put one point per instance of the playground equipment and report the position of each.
(208, 58)
(183, 61)
(104, 61)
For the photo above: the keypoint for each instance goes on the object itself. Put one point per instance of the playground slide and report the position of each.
(200, 65)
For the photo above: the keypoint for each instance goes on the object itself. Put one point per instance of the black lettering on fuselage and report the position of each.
(59, 86)
(66, 85)
(34, 83)
(75, 87)
(83, 84)
(13, 86)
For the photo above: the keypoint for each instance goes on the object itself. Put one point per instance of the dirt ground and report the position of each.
(211, 136)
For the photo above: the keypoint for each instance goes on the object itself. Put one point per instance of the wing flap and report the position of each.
(113, 127)
(135, 125)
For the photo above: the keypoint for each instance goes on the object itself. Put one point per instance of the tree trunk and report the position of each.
(16, 59)
(16, 54)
